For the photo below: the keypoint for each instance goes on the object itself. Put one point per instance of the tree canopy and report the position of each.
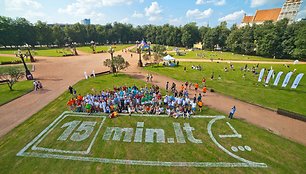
(279, 39)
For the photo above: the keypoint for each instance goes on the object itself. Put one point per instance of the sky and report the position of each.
(138, 12)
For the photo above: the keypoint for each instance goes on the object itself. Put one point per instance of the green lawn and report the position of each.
(19, 89)
(49, 52)
(4, 69)
(279, 154)
(218, 55)
(9, 59)
(233, 84)
(87, 49)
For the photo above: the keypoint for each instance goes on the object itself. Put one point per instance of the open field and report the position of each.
(10, 59)
(87, 49)
(5, 68)
(19, 89)
(203, 54)
(274, 154)
(49, 52)
(247, 89)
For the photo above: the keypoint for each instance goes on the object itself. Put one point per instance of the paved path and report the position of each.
(57, 74)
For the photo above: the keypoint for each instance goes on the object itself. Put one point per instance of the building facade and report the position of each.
(289, 10)
(85, 21)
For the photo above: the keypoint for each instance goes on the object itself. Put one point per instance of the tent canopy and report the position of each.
(168, 58)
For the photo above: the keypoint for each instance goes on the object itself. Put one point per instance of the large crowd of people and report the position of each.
(144, 100)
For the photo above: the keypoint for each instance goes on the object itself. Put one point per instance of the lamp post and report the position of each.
(29, 76)
(73, 45)
(111, 51)
(29, 52)
(139, 53)
(93, 46)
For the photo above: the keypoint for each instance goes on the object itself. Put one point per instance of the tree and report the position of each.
(11, 76)
(159, 49)
(300, 43)
(44, 33)
(190, 35)
(117, 62)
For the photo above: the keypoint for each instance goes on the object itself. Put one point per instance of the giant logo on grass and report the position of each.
(142, 140)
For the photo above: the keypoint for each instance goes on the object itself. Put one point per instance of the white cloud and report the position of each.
(237, 15)
(124, 20)
(19, 5)
(175, 21)
(81, 8)
(114, 2)
(215, 2)
(196, 13)
(137, 15)
(153, 11)
(257, 3)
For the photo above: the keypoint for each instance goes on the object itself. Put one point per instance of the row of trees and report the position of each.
(270, 39)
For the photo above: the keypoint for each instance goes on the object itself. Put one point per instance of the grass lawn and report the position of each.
(19, 89)
(203, 54)
(4, 69)
(233, 84)
(9, 59)
(279, 154)
(87, 49)
(49, 52)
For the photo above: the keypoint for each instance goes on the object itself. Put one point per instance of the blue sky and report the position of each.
(138, 12)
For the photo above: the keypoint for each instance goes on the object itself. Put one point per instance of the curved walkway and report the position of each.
(57, 73)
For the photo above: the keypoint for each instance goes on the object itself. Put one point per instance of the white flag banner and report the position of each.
(85, 74)
(297, 81)
(269, 76)
(287, 78)
(277, 78)
(261, 75)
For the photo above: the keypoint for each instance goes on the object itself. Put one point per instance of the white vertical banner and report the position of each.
(93, 73)
(269, 76)
(287, 78)
(261, 75)
(277, 78)
(297, 81)
(85, 74)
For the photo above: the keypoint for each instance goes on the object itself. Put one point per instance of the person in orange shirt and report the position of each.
(80, 97)
(71, 104)
(113, 115)
(200, 104)
(204, 90)
(182, 87)
(196, 86)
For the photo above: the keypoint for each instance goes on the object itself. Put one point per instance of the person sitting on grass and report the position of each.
(88, 107)
(113, 115)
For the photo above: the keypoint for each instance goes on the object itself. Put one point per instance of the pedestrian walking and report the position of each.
(232, 112)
